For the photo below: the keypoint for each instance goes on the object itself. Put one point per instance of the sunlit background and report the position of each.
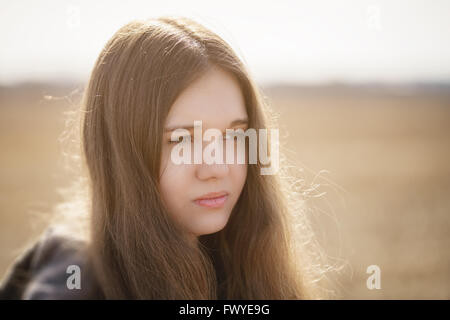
(362, 89)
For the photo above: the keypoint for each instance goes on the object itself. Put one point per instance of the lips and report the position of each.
(212, 200)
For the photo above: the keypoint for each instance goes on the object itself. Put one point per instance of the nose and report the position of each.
(211, 171)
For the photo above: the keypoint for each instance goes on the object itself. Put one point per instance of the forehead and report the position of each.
(215, 98)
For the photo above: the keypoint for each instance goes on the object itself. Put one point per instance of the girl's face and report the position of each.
(216, 100)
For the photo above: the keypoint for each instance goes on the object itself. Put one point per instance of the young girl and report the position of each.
(160, 230)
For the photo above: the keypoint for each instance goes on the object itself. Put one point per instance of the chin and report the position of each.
(213, 227)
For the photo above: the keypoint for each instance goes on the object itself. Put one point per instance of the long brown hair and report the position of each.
(138, 251)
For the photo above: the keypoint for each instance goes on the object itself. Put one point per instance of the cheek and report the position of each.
(170, 174)
(238, 174)
(174, 181)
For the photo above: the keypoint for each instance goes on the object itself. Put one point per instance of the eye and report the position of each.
(235, 135)
(181, 139)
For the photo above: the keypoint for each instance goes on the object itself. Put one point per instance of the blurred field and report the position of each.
(387, 185)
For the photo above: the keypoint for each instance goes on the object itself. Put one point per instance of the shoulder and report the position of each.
(55, 267)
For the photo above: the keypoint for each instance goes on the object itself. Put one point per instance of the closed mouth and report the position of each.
(212, 200)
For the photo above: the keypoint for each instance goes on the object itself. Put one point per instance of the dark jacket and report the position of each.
(44, 271)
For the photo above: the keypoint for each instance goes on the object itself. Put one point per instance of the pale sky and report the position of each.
(280, 41)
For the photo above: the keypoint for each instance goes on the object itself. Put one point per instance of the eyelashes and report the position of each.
(187, 138)
(180, 139)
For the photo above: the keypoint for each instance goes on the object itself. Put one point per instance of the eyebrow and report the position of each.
(190, 127)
